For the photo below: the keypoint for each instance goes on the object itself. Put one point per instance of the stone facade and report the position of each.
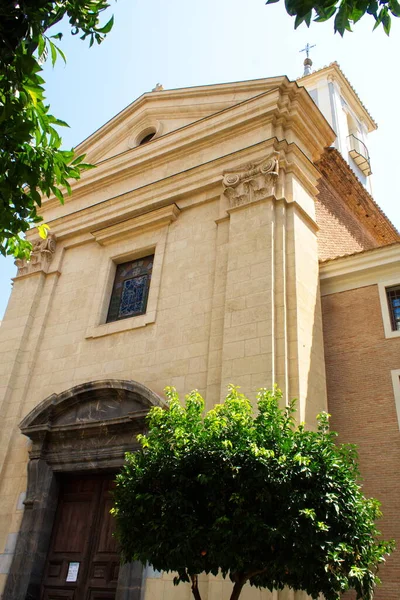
(226, 197)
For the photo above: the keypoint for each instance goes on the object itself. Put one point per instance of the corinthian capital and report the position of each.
(251, 182)
(40, 258)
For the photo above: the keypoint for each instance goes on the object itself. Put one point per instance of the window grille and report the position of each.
(131, 289)
(393, 297)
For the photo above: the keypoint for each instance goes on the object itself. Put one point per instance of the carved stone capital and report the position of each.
(40, 258)
(251, 182)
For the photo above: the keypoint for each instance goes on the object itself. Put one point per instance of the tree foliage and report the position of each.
(345, 12)
(254, 497)
(31, 161)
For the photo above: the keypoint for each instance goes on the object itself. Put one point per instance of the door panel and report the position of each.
(104, 561)
(59, 595)
(83, 559)
(73, 525)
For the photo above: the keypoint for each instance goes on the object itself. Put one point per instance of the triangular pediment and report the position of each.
(162, 112)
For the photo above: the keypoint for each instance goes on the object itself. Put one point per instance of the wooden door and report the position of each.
(83, 561)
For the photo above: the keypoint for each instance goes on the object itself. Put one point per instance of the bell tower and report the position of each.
(336, 98)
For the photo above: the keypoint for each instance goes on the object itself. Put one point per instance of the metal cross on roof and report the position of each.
(307, 61)
(307, 49)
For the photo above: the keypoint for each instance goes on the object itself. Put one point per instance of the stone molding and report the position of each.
(361, 269)
(185, 188)
(252, 181)
(40, 258)
(102, 409)
(383, 298)
(148, 241)
(142, 127)
(396, 390)
(156, 218)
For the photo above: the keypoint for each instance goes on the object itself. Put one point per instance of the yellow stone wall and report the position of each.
(234, 295)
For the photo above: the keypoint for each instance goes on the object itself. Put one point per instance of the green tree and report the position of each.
(31, 161)
(345, 12)
(255, 497)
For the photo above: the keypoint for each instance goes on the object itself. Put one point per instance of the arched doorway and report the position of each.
(80, 434)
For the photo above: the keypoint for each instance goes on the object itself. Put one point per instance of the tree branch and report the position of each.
(195, 587)
(240, 579)
(251, 574)
(237, 588)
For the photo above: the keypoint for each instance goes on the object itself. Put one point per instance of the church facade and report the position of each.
(227, 235)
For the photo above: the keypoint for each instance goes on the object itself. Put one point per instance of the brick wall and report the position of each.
(359, 361)
(348, 217)
(340, 231)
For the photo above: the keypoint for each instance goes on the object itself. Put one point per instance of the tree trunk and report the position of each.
(237, 588)
(195, 587)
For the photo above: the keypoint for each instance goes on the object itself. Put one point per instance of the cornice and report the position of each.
(299, 117)
(359, 270)
(156, 218)
(180, 96)
(192, 185)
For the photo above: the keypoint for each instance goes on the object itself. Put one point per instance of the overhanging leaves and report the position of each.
(32, 163)
(345, 12)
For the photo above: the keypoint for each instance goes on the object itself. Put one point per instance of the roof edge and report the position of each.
(360, 197)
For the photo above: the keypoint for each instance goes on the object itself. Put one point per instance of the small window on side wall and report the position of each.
(393, 298)
(131, 289)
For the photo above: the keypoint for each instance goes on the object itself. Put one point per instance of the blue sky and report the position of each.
(183, 43)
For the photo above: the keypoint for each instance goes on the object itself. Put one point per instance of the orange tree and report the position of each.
(257, 498)
(32, 163)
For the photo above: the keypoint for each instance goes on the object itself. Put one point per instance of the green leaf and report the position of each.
(61, 123)
(373, 8)
(33, 93)
(41, 45)
(107, 27)
(304, 18)
(78, 159)
(68, 186)
(378, 20)
(58, 193)
(394, 7)
(341, 19)
(325, 14)
(61, 53)
(53, 53)
(387, 22)
(356, 14)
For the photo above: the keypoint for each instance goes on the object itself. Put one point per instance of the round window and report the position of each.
(147, 138)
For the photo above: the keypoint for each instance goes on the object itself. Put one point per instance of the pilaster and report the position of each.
(272, 325)
(21, 332)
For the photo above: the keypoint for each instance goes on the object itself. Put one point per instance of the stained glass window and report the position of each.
(393, 296)
(131, 289)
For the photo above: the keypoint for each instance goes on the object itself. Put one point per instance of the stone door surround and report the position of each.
(87, 428)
